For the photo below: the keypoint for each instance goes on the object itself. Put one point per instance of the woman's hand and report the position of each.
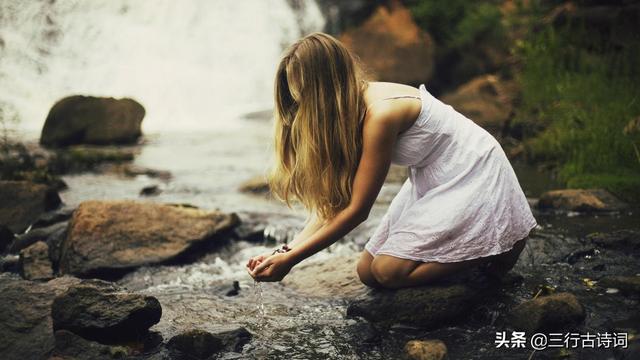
(254, 261)
(273, 268)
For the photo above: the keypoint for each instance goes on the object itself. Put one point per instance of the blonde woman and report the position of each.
(336, 135)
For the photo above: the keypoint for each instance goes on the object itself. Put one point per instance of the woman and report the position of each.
(335, 138)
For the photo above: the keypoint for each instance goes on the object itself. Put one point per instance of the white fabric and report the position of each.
(462, 199)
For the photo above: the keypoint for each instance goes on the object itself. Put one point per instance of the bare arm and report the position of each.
(379, 136)
(310, 228)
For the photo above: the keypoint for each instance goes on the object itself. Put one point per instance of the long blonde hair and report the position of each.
(319, 108)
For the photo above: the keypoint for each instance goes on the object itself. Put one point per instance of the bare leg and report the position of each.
(501, 264)
(393, 272)
(364, 270)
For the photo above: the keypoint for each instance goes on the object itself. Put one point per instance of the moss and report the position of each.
(580, 89)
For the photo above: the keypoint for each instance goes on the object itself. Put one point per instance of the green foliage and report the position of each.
(457, 23)
(583, 88)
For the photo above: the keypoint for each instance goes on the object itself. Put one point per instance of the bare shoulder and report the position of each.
(398, 113)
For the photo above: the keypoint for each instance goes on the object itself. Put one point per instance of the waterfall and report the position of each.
(193, 64)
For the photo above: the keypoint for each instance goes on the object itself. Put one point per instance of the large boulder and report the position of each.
(429, 306)
(22, 202)
(328, 278)
(26, 330)
(106, 237)
(587, 200)
(92, 120)
(101, 311)
(35, 263)
(391, 46)
(486, 99)
(547, 313)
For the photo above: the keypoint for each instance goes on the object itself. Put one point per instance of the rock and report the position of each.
(106, 237)
(151, 190)
(426, 350)
(71, 346)
(92, 120)
(257, 185)
(131, 170)
(22, 202)
(424, 306)
(61, 214)
(547, 313)
(202, 344)
(10, 263)
(397, 174)
(198, 344)
(80, 158)
(629, 285)
(487, 100)
(329, 278)
(101, 311)
(580, 200)
(6, 238)
(626, 240)
(40, 234)
(391, 45)
(25, 316)
(34, 262)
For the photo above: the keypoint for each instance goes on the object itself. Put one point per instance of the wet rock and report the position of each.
(151, 190)
(10, 263)
(6, 238)
(486, 99)
(40, 234)
(257, 186)
(35, 263)
(424, 306)
(25, 316)
(80, 158)
(131, 170)
(330, 278)
(102, 311)
(61, 214)
(92, 120)
(71, 346)
(22, 202)
(580, 200)
(107, 237)
(547, 313)
(201, 344)
(626, 240)
(392, 46)
(629, 285)
(235, 290)
(196, 343)
(426, 350)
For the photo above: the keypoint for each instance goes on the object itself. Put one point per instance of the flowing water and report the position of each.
(200, 67)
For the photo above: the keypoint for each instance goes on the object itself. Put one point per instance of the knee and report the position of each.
(364, 273)
(384, 276)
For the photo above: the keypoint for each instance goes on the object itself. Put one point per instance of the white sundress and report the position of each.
(462, 199)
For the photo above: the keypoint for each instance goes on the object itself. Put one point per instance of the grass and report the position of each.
(582, 89)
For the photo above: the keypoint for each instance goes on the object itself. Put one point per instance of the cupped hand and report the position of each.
(254, 261)
(273, 268)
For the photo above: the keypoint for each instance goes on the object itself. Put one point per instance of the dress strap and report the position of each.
(392, 97)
